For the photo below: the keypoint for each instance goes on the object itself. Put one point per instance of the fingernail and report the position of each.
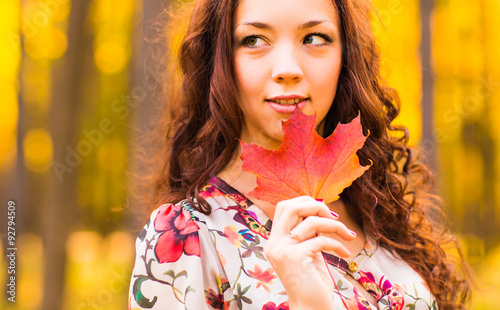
(352, 232)
(320, 200)
(334, 214)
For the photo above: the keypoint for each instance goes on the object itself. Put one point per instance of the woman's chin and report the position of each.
(270, 142)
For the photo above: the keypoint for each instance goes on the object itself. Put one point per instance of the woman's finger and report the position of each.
(321, 244)
(314, 225)
(303, 206)
(290, 212)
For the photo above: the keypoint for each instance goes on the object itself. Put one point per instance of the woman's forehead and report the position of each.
(274, 11)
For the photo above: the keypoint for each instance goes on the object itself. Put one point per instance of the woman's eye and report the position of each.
(252, 41)
(317, 39)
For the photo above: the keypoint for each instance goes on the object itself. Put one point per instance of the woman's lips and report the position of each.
(287, 108)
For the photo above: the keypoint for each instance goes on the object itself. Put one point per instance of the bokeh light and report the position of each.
(119, 247)
(38, 150)
(112, 155)
(49, 43)
(36, 91)
(111, 57)
(9, 114)
(84, 246)
(30, 255)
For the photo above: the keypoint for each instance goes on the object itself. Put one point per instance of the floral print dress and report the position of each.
(187, 260)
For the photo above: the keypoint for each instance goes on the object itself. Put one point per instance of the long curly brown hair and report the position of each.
(392, 200)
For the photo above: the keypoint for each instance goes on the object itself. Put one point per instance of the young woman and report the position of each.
(246, 66)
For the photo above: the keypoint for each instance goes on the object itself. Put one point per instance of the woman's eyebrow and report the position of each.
(261, 25)
(313, 23)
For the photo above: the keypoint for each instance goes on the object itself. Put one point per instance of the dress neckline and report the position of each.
(256, 214)
(242, 201)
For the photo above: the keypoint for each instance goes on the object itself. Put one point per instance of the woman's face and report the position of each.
(288, 54)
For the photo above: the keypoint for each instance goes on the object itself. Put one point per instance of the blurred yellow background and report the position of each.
(77, 76)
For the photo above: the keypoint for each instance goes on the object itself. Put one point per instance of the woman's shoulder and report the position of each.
(182, 207)
(168, 266)
(164, 215)
(387, 261)
(401, 283)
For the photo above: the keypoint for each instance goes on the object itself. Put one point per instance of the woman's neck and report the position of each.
(244, 182)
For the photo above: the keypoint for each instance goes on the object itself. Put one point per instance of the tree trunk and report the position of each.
(61, 207)
(488, 150)
(428, 142)
(146, 74)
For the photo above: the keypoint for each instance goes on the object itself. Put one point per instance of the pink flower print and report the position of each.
(180, 234)
(233, 236)
(363, 304)
(368, 281)
(264, 278)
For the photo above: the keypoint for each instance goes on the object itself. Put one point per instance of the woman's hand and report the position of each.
(294, 250)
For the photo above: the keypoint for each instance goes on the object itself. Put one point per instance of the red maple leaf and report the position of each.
(306, 164)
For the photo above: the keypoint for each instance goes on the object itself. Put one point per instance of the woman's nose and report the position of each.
(286, 66)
